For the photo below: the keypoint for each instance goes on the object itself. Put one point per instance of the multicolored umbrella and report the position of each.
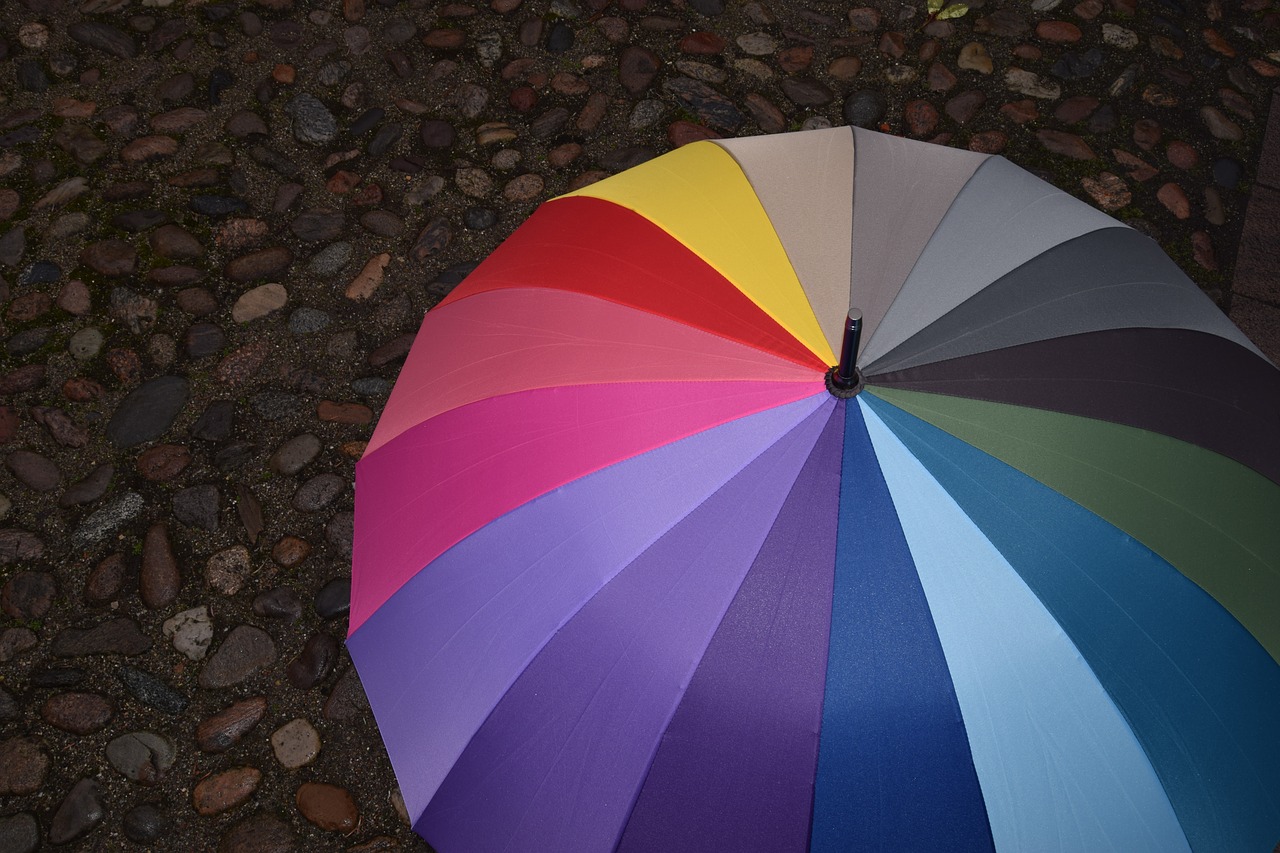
(631, 572)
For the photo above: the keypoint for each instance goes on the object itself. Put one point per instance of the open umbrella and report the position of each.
(633, 572)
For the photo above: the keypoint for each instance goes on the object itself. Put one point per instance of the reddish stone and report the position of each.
(290, 551)
(1088, 10)
(344, 413)
(126, 365)
(29, 306)
(921, 117)
(793, 59)
(1139, 170)
(1076, 109)
(105, 579)
(1202, 250)
(1020, 112)
(146, 148)
(1217, 43)
(940, 77)
(845, 67)
(893, 45)
(445, 39)
(637, 66)
(78, 713)
(82, 389)
(163, 462)
(1175, 200)
(567, 83)
(1108, 190)
(1182, 155)
(593, 112)
(766, 114)
(523, 99)
(988, 142)
(226, 790)
(864, 18)
(327, 806)
(342, 182)
(243, 363)
(1264, 69)
(225, 729)
(1058, 32)
(1029, 52)
(1146, 133)
(563, 155)
(682, 132)
(929, 50)
(1065, 144)
(9, 421)
(702, 44)
(965, 105)
(25, 378)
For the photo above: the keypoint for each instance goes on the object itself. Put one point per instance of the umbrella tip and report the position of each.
(845, 380)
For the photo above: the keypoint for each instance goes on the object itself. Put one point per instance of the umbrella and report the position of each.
(636, 568)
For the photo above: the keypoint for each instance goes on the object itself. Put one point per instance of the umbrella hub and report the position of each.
(841, 388)
(845, 380)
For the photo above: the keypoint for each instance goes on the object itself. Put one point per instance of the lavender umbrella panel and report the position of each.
(631, 572)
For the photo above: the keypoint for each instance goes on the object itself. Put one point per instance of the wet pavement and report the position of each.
(221, 223)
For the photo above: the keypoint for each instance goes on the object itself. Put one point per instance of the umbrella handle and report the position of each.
(844, 380)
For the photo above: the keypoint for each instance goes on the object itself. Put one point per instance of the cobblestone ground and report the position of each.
(221, 222)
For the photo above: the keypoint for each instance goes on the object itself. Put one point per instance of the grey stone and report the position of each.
(308, 321)
(216, 421)
(197, 506)
(81, 811)
(148, 412)
(295, 454)
(334, 598)
(109, 518)
(149, 690)
(19, 833)
(330, 260)
(864, 108)
(313, 664)
(90, 488)
(313, 124)
(145, 823)
(142, 756)
(103, 37)
(318, 492)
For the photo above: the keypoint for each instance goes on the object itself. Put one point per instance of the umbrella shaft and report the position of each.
(846, 372)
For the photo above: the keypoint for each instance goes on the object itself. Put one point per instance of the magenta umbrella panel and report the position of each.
(642, 564)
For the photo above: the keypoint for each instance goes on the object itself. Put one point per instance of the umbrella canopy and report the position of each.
(628, 575)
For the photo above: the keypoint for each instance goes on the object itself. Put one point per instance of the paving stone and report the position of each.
(244, 652)
(145, 823)
(226, 728)
(313, 664)
(119, 636)
(148, 412)
(151, 691)
(19, 833)
(89, 488)
(78, 713)
(1065, 144)
(1108, 191)
(227, 570)
(142, 757)
(79, 813)
(223, 791)
(295, 744)
(282, 602)
(23, 766)
(197, 506)
(190, 631)
(327, 806)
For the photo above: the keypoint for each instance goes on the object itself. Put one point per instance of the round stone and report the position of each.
(864, 108)
(86, 343)
(19, 833)
(190, 631)
(23, 765)
(145, 823)
(295, 454)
